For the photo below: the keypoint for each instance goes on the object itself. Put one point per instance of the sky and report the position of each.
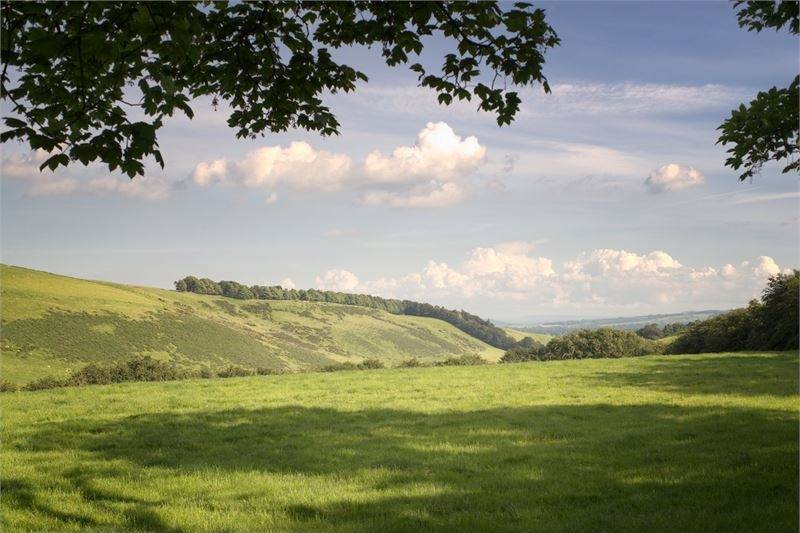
(608, 197)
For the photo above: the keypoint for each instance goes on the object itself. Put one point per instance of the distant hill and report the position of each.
(53, 324)
(518, 335)
(628, 323)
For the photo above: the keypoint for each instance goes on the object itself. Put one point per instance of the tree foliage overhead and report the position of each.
(95, 81)
(767, 128)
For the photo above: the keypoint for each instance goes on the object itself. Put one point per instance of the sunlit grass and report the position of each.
(680, 443)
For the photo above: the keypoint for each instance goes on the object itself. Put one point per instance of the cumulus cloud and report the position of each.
(439, 154)
(287, 283)
(673, 177)
(597, 279)
(429, 174)
(338, 280)
(298, 166)
(60, 183)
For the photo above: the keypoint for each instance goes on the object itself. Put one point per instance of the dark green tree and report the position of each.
(95, 81)
(767, 128)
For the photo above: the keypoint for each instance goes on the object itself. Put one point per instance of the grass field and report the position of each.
(53, 324)
(678, 443)
(518, 335)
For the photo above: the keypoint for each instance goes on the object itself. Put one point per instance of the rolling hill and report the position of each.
(53, 324)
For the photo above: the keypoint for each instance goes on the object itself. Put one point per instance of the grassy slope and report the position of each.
(54, 323)
(517, 335)
(680, 443)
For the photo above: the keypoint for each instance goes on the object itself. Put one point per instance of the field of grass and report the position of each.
(657, 443)
(518, 335)
(53, 324)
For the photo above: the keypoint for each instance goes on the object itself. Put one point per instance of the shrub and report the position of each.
(234, 371)
(339, 367)
(412, 363)
(94, 374)
(464, 360)
(48, 382)
(528, 349)
(148, 369)
(262, 371)
(7, 386)
(371, 364)
(599, 343)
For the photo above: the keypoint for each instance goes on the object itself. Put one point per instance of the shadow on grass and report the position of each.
(575, 468)
(770, 374)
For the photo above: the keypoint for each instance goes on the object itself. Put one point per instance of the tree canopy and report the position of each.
(767, 128)
(95, 81)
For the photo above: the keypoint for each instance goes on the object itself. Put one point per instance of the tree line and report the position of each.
(468, 323)
(655, 332)
(770, 323)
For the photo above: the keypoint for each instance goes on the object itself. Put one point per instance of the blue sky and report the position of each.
(607, 197)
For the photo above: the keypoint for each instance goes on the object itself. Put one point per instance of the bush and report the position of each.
(528, 349)
(206, 373)
(48, 382)
(234, 371)
(366, 364)
(464, 360)
(412, 363)
(262, 371)
(94, 374)
(599, 343)
(371, 364)
(7, 386)
(337, 367)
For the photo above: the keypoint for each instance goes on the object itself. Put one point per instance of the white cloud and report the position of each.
(298, 166)
(19, 166)
(337, 280)
(439, 154)
(432, 195)
(673, 177)
(61, 183)
(287, 283)
(765, 266)
(428, 174)
(603, 279)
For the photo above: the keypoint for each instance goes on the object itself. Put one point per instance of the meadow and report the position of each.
(656, 443)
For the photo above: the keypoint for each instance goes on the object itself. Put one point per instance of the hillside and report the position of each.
(52, 324)
(518, 335)
(656, 443)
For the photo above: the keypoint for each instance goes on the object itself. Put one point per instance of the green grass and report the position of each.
(54, 324)
(518, 335)
(678, 443)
